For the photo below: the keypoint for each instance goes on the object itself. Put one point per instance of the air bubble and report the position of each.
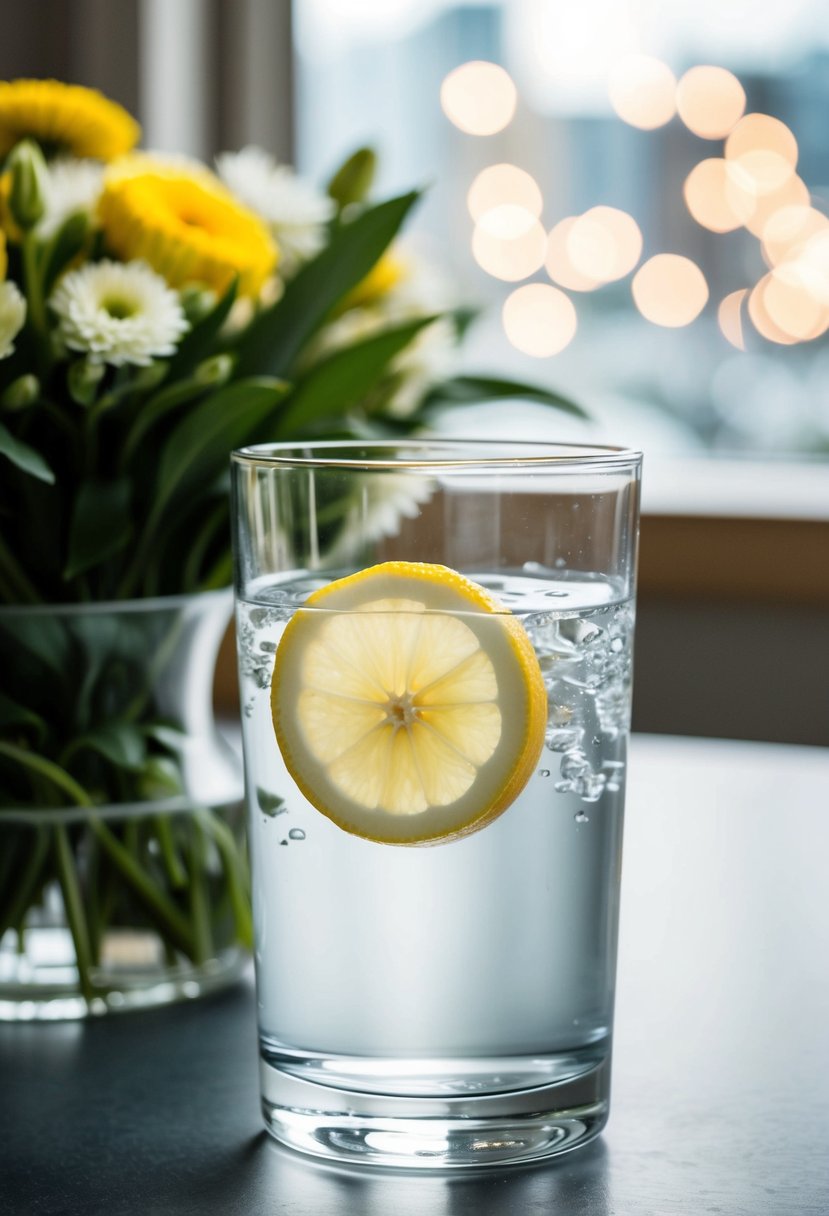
(268, 647)
(296, 834)
(580, 817)
(543, 772)
(283, 842)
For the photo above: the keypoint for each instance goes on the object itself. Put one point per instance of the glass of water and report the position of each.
(435, 658)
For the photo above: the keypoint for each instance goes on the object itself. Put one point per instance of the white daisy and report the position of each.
(12, 316)
(295, 211)
(118, 313)
(73, 185)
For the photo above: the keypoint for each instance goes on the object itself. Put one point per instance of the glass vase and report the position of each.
(123, 867)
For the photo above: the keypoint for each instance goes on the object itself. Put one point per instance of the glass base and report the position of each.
(42, 984)
(469, 1119)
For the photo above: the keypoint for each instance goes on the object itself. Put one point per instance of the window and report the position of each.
(370, 71)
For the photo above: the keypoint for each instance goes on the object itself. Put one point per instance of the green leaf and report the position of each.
(42, 636)
(25, 457)
(101, 524)
(353, 180)
(275, 337)
(156, 408)
(199, 342)
(199, 448)
(468, 390)
(341, 381)
(14, 715)
(121, 743)
(65, 245)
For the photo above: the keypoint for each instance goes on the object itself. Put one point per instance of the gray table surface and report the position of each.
(721, 1071)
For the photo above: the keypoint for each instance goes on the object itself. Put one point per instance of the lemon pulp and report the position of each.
(408, 703)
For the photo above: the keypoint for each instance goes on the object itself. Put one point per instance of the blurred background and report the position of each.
(568, 147)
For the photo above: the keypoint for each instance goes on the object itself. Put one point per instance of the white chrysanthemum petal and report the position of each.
(73, 185)
(118, 313)
(294, 209)
(12, 316)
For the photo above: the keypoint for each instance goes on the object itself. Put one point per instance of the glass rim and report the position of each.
(481, 455)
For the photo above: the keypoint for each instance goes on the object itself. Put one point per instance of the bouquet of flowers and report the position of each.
(155, 314)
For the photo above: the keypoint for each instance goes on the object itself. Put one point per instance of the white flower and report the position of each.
(295, 211)
(118, 313)
(12, 316)
(73, 185)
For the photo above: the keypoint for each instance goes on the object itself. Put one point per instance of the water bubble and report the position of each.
(596, 740)
(563, 739)
(248, 709)
(580, 817)
(296, 834)
(283, 842)
(268, 647)
(268, 803)
(560, 563)
(543, 772)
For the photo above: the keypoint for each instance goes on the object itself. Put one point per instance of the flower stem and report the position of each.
(73, 905)
(234, 868)
(34, 285)
(162, 909)
(199, 902)
(169, 853)
(21, 901)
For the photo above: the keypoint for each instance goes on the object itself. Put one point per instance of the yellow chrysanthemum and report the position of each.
(64, 118)
(182, 221)
(382, 277)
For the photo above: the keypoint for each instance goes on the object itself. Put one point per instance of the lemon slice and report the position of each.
(408, 704)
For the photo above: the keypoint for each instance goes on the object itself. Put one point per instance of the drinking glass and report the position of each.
(435, 659)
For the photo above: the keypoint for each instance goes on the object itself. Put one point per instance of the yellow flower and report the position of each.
(181, 220)
(64, 118)
(384, 275)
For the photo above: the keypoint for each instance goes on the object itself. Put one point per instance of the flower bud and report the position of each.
(83, 379)
(352, 182)
(214, 371)
(29, 184)
(22, 392)
(197, 302)
(151, 376)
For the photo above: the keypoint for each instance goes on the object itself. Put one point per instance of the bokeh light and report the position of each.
(710, 101)
(793, 192)
(761, 319)
(718, 195)
(504, 186)
(507, 221)
(642, 91)
(558, 262)
(788, 230)
(539, 320)
(791, 300)
(670, 290)
(730, 317)
(604, 244)
(479, 97)
(508, 258)
(765, 149)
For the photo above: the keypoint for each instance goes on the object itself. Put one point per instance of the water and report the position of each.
(476, 966)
